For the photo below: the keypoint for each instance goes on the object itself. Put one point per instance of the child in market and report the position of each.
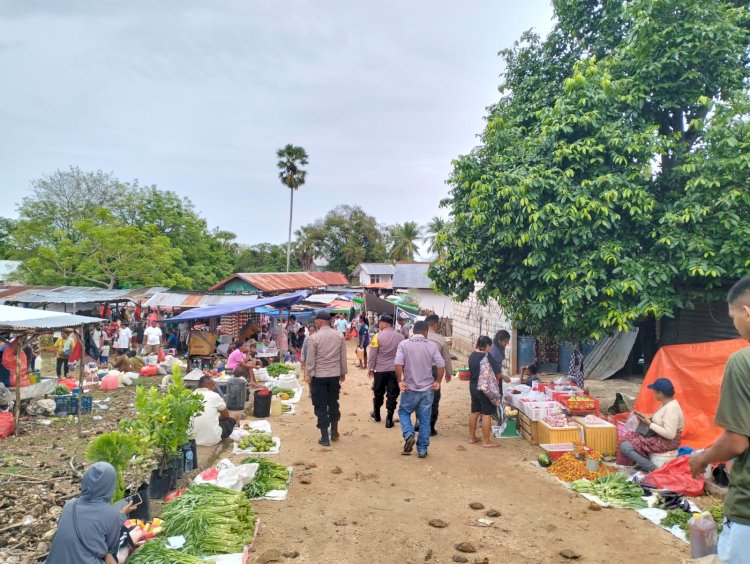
(529, 375)
(104, 355)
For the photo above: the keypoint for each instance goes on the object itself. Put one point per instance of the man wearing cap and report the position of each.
(381, 364)
(326, 371)
(733, 415)
(415, 358)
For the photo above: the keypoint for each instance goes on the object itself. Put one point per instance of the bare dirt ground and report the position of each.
(361, 500)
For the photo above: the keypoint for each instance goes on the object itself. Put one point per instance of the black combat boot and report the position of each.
(335, 431)
(389, 420)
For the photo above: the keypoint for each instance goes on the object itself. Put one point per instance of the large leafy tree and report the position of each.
(291, 160)
(435, 226)
(263, 257)
(403, 241)
(50, 218)
(612, 175)
(345, 237)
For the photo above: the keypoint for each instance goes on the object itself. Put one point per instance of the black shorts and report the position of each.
(480, 403)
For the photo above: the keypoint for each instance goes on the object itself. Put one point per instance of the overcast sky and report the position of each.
(196, 97)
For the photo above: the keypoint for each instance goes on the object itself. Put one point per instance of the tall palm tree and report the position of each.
(404, 241)
(290, 163)
(305, 247)
(435, 226)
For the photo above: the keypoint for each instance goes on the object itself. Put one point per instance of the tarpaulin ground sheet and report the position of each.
(696, 370)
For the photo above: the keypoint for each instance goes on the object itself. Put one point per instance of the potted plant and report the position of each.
(118, 449)
(163, 421)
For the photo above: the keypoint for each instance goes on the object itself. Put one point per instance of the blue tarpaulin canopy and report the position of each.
(287, 300)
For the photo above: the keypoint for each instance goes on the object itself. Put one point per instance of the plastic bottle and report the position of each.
(703, 535)
(189, 460)
(275, 406)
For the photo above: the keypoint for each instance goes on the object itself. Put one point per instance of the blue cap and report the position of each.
(663, 385)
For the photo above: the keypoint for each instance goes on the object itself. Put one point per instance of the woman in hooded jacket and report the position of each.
(90, 526)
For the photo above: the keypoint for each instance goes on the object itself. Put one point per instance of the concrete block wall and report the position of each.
(472, 319)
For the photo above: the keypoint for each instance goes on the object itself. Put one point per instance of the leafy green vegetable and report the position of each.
(60, 390)
(277, 369)
(154, 552)
(117, 448)
(270, 476)
(614, 489)
(677, 517)
(214, 520)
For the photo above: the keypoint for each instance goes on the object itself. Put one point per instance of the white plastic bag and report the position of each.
(631, 424)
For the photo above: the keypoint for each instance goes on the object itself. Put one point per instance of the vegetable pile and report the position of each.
(214, 520)
(277, 369)
(155, 552)
(259, 440)
(569, 469)
(670, 500)
(281, 392)
(270, 476)
(677, 517)
(60, 390)
(614, 489)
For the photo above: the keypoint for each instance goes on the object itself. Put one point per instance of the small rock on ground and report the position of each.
(438, 523)
(293, 554)
(484, 560)
(305, 481)
(336, 470)
(429, 555)
(465, 547)
(494, 513)
(569, 554)
(476, 505)
(459, 558)
(340, 523)
(271, 555)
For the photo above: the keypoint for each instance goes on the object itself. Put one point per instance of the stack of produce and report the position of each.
(614, 489)
(259, 440)
(270, 476)
(671, 500)
(680, 517)
(154, 552)
(556, 420)
(568, 468)
(60, 390)
(283, 393)
(276, 369)
(214, 520)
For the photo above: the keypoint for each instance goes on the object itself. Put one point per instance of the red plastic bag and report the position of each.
(9, 362)
(209, 475)
(675, 476)
(7, 425)
(151, 370)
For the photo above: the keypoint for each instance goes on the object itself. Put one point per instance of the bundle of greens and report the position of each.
(677, 517)
(614, 489)
(214, 520)
(154, 552)
(270, 476)
(277, 369)
(60, 390)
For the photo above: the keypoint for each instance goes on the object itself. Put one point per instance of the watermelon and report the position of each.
(544, 460)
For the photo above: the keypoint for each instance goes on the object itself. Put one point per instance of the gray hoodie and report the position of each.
(99, 522)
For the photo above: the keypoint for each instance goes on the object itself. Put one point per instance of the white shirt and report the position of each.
(96, 336)
(153, 335)
(124, 338)
(206, 425)
(341, 325)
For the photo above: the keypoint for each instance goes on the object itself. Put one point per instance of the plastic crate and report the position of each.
(86, 403)
(589, 405)
(556, 451)
(601, 438)
(61, 405)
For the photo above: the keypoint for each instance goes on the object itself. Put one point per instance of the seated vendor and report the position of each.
(252, 354)
(214, 424)
(121, 362)
(241, 365)
(90, 526)
(529, 374)
(661, 432)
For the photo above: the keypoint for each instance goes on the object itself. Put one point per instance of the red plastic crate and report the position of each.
(591, 405)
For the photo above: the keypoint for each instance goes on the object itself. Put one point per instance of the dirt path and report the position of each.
(377, 508)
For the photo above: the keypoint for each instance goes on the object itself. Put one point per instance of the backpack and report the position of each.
(487, 383)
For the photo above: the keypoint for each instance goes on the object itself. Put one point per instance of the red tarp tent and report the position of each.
(696, 371)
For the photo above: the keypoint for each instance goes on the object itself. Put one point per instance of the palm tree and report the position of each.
(290, 163)
(305, 247)
(435, 226)
(404, 241)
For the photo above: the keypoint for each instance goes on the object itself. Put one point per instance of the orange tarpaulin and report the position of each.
(696, 371)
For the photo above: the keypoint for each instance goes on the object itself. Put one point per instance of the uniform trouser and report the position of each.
(435, 407)
(325, 398)
(383, 384)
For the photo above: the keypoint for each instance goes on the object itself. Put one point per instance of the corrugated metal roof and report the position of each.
(70, 295)
(609, 355)
(379, 286)
(8, 292)
(378, 268)
(285, 281)
(165, 300)
(18, 318)
(412, 275)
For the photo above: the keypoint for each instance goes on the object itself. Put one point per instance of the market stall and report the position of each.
(17, 326)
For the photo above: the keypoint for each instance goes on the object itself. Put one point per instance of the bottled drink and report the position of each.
(189, 460)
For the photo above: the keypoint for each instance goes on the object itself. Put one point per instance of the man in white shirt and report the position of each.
(341, 324)
(124, 336)
(152, 338)
(214, 424)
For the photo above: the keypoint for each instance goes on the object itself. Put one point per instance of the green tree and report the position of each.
(403, 241)
(292, 175)
(263, 257)
(435, 226)
(7, 247)
(609, 188)
(345, 237)
(306, 247)
(106, 253)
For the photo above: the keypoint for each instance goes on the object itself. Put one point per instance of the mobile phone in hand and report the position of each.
(135, 499)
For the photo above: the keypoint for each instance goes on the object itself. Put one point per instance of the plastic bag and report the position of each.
(631, 424)
(675, 476)
(7, 426)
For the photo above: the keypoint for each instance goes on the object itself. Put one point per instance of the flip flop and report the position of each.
(491, 446)
(475, 441)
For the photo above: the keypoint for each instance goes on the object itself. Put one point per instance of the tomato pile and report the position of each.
(569, 469)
